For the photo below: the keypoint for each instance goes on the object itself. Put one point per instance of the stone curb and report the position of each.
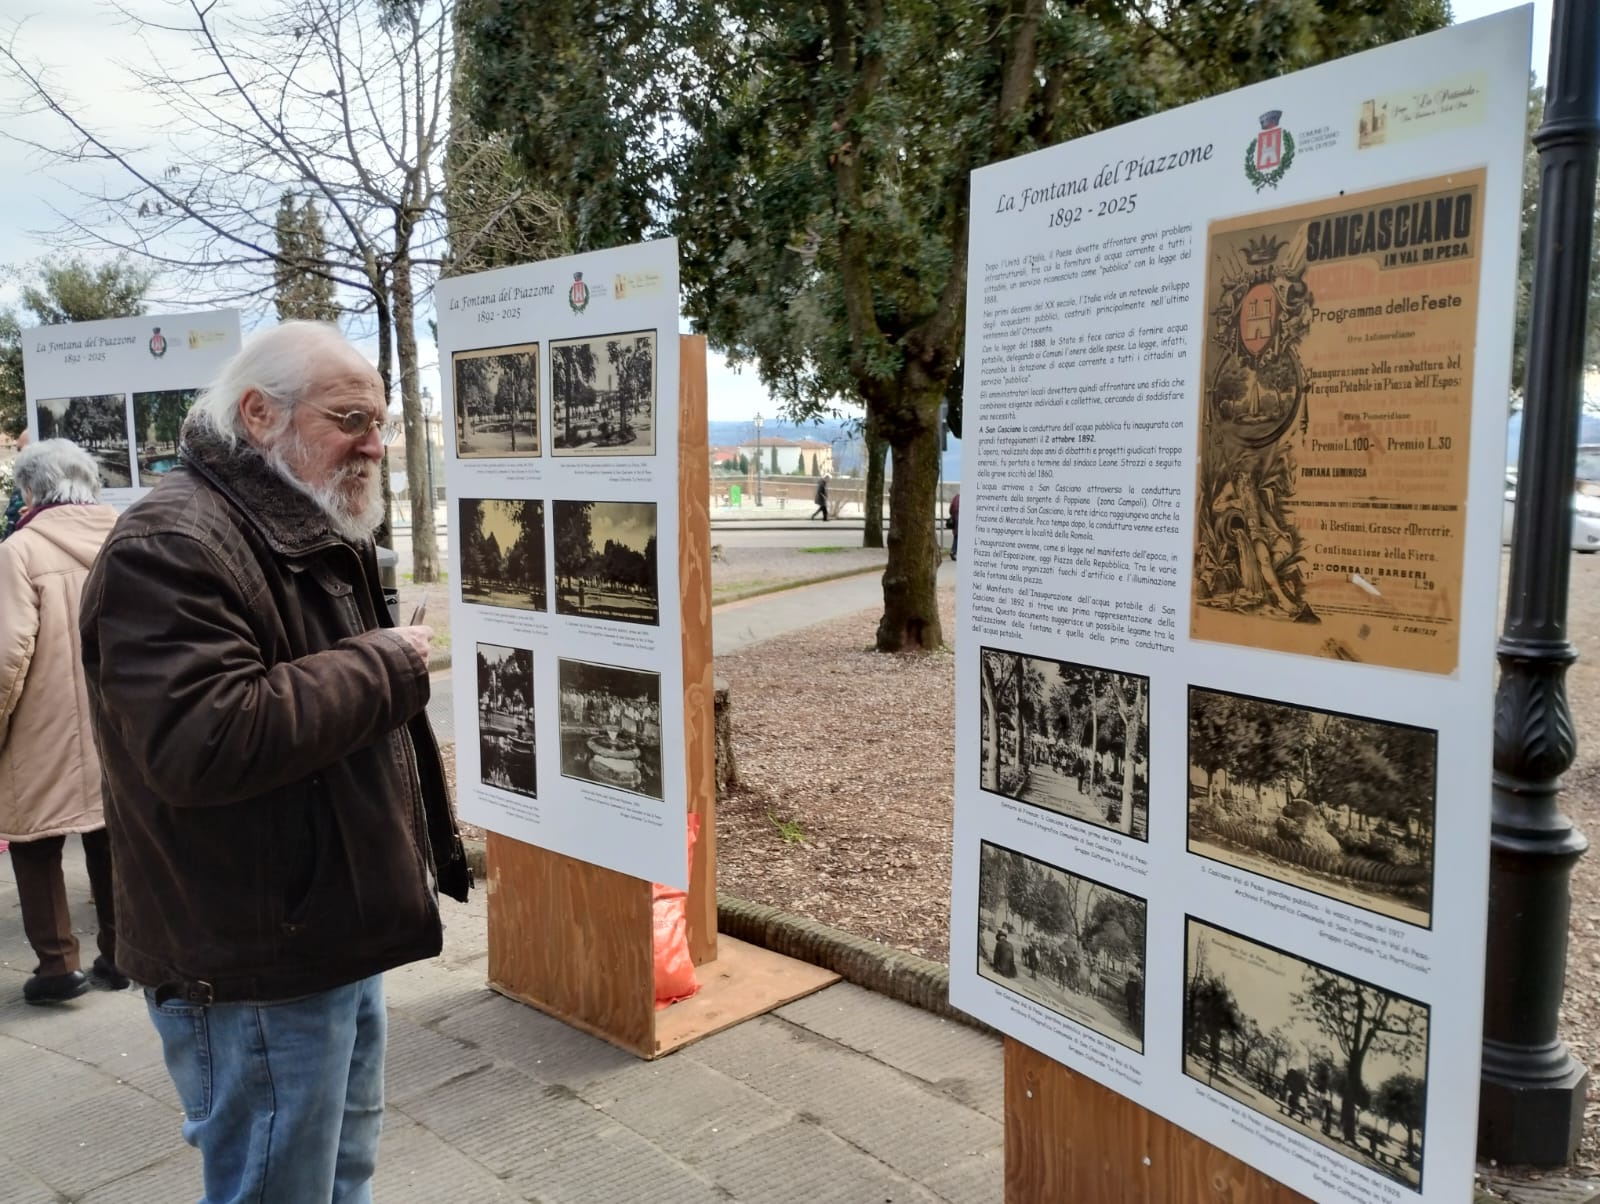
(903, 977)
(778, 587)
(477, 859)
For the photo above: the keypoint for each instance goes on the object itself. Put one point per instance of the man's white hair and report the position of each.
(278, 363)
(57, 470)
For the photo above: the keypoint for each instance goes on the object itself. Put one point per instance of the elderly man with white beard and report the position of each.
(277, 812)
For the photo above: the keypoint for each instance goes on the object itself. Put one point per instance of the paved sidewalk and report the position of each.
(842, 1097)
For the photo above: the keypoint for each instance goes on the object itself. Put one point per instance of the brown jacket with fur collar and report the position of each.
(274, 795)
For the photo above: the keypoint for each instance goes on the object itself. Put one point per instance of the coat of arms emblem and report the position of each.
(158, 344)
(1249, 557)
(578, 294)
(1271, 154)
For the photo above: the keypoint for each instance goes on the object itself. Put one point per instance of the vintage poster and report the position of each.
(121, 388)
(1335, 425)
(561, 389)
(1233, 473)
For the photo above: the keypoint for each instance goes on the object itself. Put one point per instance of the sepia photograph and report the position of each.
(1333, 1058)
(603, 395)
(1334, 804)
(611, 726)
(99, 425)
(157, 423)
(1072, 739)
(497, 402)
(606, 561)
(1066, 942)
(502, 553)
(506, 740)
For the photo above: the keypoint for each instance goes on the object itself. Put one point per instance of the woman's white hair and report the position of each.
(57, 470)
(278, 363)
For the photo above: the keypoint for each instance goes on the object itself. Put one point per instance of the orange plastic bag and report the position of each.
(675, 977)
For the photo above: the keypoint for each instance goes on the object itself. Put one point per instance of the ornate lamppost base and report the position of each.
(1538, 1121)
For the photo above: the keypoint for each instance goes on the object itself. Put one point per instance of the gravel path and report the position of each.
(742, 572)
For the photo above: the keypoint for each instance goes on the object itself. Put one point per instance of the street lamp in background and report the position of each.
(758, 460)
(427, 439)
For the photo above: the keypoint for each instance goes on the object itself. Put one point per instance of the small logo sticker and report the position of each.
(1271, 154)
(206, 338)
(578, 294)
(158, 344)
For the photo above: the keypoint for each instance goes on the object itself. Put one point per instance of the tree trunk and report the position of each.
(910, 620)
(1132, 721)
(384, 535)
(1349, 1104)
(991, 724)
(872, 502)
(424, 542)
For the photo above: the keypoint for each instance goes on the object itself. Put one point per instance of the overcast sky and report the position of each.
(84, 44)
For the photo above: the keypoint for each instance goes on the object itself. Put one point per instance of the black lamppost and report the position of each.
(1531, 1105)
(758, 460)
(427, 438)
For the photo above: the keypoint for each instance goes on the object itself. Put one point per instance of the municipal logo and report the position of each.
(578, 294)
(1271, 154)
(158, 344)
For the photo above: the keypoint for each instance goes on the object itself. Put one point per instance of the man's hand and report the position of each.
(417, 637)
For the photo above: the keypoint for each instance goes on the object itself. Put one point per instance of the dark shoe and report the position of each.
(107, 977)
(55, 988)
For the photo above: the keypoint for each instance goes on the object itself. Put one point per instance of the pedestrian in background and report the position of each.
(49, 773)
(8, 521)
(276, 803)
(822, 500)
(954, 523)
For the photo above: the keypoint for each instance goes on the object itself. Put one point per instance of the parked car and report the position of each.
(1589, 469)
(1585, 518)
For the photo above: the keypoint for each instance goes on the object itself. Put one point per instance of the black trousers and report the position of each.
(42, 892)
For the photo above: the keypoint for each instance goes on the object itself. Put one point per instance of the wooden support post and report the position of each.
(1070, 1139)
(694, 577)
(574, 939)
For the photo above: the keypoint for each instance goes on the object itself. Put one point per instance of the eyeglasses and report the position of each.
(356, 423)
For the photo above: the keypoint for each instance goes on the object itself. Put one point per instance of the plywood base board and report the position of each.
(1070, 1139)
(745, 981)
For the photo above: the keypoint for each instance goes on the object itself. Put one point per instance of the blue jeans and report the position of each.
(284, 1101)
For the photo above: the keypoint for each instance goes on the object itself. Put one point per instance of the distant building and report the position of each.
(793, 457)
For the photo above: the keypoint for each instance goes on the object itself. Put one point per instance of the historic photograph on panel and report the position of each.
(497, 402)
(502, 553)
(99, 425)
(611, 726)
(1331, 803)
(505, 719)
(606, 561)
(1331, 1057)
(1070, 738)
(603, 395)
(157, 422)
(1063, 941)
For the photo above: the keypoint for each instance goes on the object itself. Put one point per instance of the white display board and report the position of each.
(1235, 421)
(561, 432)
(120, 388)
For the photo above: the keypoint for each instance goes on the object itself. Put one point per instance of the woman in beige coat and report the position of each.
(49, 772)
